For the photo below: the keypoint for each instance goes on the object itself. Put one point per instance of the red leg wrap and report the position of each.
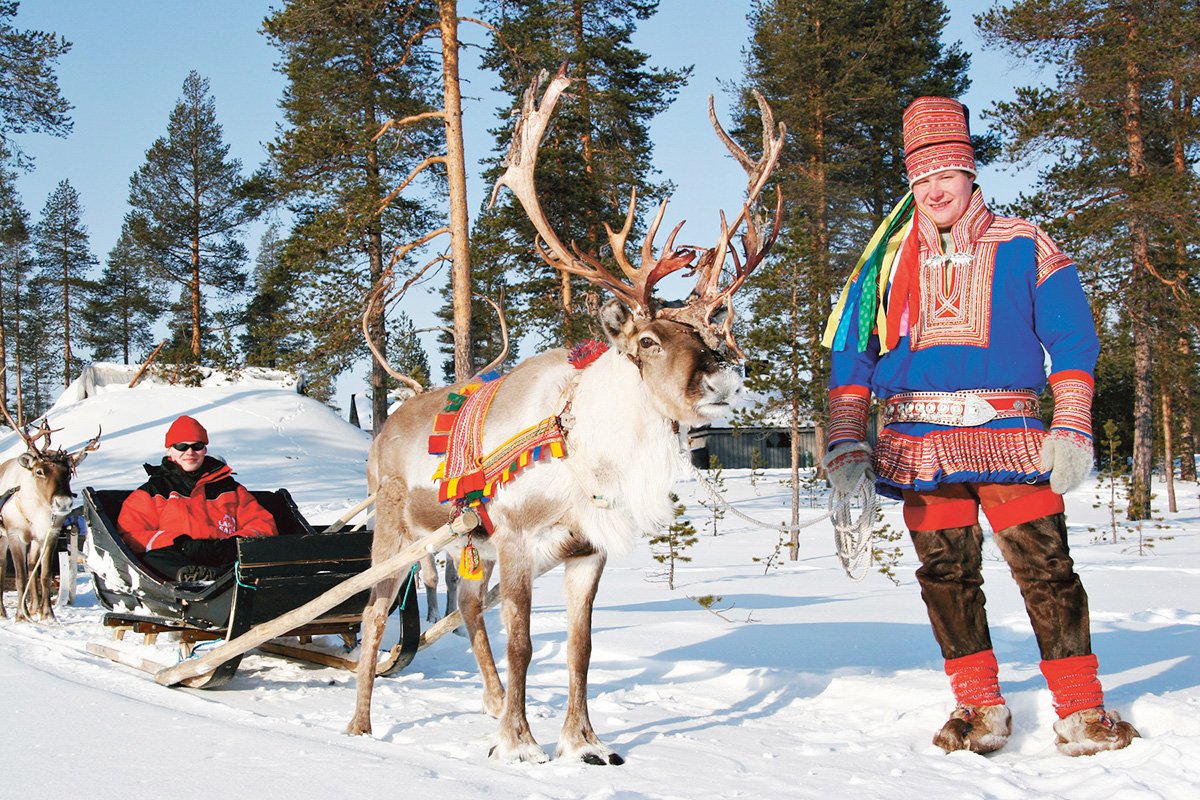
(1073, 683)
(975, 679)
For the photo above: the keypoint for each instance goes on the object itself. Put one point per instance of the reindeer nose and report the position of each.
(724, 383)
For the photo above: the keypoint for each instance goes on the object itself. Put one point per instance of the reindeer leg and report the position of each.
(579, 740)
(429, 579)
(3, 572)
(470, 597)
(21, 576)
(45, 566)
(374, 619)
(515, 741)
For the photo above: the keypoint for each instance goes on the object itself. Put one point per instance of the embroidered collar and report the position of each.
(965, 233)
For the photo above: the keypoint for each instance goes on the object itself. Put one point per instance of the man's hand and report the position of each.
(846, 464)
(1067, 456)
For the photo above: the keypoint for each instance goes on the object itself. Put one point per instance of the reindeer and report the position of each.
(665, 367)
(36, 487)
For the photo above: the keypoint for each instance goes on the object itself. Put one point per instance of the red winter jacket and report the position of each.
(206, 504)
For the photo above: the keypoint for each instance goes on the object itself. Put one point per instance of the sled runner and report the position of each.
(273, 577)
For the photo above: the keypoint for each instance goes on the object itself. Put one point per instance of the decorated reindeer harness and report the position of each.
(468, 477)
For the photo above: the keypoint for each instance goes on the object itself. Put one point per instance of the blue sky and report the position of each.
(129, 59)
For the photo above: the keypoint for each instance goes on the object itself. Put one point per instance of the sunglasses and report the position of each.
(194, 446)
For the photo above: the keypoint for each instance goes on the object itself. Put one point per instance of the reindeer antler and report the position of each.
(709, 295)
(92, 445)
(519, 178)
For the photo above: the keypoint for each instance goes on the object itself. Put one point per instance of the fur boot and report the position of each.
(1087, 732)
(980, 729)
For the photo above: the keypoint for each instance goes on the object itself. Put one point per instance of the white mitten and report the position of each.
(846, 464)
(1067, 456)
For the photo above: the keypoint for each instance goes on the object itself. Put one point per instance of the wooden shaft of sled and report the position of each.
(452, 620)
(252, 638)
(350, 514)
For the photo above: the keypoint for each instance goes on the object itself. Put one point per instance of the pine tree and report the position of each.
(30, 101)
(122, 306)
(407, 353)
(352, 66)
(597, 149)
(37, 351)
(1114, 134)
(190, 203)
(64, 259)
(268, 339)
(839, 73)
(16, 261)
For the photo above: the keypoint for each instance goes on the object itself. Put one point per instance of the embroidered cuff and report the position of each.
(1073, 390)
(848, 407)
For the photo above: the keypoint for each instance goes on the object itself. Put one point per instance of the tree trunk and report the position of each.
(1142, 290)
(3, 351)
(1168, 451)
(377, 324)
(66, 310)
(456, 172)
(1187, 448)
(20, 417)
(195, 293)
(794, 537)
(1187, 442)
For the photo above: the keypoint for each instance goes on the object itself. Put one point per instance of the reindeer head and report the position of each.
(49, 471)
(688, 346)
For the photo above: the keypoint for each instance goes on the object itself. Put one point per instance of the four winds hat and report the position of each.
(936, 138)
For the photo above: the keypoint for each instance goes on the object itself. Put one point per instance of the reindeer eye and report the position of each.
(646, 343)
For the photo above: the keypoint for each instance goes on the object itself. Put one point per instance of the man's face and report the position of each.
(188, 459)
(944, 196)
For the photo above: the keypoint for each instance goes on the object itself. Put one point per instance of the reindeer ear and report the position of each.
(77, 458)
(618, 323)
(26, 460)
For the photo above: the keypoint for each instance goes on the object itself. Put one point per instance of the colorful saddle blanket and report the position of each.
(469, 477)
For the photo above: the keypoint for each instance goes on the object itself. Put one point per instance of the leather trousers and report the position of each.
(951, 581)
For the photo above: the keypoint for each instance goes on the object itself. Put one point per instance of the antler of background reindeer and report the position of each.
(43, 432)
(636, 289)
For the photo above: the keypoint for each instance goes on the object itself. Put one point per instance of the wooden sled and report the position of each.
(273, 578)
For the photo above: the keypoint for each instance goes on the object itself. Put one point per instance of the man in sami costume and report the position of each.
(945, 319)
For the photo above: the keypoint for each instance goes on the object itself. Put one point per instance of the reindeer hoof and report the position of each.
(599, 761)
(522, 752)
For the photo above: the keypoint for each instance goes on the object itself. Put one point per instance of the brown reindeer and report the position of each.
(36, 487)
(665, 367)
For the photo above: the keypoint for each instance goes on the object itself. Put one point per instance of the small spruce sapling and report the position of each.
(1115, 472)
(667, 548)
(756, 469)
(717, 484)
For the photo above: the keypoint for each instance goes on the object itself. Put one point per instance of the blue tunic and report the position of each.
(988, 324)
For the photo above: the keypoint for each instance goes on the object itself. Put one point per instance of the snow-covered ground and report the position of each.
(798, 683)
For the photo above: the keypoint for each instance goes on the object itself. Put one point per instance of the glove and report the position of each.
(1067, 450)
(846, 464)
(1067, 456)
(209, 551)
